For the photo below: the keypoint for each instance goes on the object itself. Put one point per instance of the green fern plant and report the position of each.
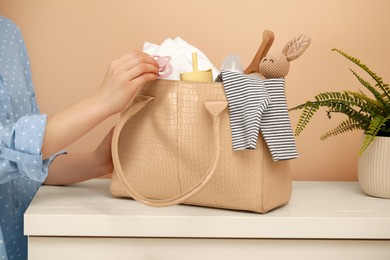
(370, 114)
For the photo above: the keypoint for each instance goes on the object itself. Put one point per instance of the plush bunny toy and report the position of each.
(277, 65)
(275, 121)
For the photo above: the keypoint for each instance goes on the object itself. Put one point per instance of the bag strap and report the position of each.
(215, 108)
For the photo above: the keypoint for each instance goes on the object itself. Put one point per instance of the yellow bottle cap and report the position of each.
(196, 75)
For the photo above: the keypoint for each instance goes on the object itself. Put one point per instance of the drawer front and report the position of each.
(66, 248)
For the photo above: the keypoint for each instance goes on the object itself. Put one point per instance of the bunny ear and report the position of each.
(294, 48)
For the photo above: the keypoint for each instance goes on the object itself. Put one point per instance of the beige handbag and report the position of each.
(173, 145)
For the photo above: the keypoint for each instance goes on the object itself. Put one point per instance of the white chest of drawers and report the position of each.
(323, 220)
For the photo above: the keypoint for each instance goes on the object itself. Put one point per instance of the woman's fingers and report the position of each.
(134, 58)
(133, 65)
(143, 78)
(125, 76)
(140, 69)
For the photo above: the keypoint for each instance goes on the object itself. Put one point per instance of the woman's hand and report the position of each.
(124, 77)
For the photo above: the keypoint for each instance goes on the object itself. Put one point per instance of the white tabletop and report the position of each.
(316, 210)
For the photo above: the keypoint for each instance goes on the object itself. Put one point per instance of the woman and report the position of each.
(31, 143)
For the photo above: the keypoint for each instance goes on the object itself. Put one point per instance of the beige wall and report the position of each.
(71, 43)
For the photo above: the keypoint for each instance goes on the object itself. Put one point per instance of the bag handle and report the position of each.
(215, 108)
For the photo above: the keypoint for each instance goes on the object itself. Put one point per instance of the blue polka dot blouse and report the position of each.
(22, 128)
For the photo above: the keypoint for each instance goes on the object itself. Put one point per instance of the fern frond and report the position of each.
(376, 124)
(299, 107)
(340, 97)
(336, 102)
(380, 84)
(356, 116)
(343, 102)
(368, 139)
(378, 96)
(309, 108)
(345, 126)
(366, 104)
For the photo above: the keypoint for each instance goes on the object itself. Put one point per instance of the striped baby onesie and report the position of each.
(259, 105)
(247, 99)
(275, 123)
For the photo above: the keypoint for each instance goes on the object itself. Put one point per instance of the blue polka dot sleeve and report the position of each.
(22, 128)
(20, 150)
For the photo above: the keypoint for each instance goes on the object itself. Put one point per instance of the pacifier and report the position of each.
(164, 66)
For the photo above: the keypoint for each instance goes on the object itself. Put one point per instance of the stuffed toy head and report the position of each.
(277, 65)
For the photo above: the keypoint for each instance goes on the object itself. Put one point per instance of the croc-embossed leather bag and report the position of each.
(173, 145)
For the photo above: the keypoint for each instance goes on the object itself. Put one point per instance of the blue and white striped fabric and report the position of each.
(259, 105)
(275, 123)
(247, 100)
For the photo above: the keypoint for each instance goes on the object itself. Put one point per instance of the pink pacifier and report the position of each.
(164, 66)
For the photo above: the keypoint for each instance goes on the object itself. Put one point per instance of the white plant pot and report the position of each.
(374, 168)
